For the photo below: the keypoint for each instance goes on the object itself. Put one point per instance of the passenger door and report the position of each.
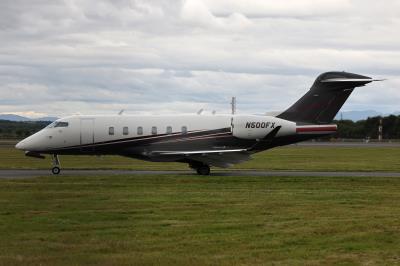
(87, 131)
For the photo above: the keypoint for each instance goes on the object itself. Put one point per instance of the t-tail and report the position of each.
(325, 98)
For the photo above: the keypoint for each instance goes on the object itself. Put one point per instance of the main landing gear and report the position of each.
(201, 169)
(56, 165)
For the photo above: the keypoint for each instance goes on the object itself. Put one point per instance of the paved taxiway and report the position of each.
(20, 174)
(349, 144)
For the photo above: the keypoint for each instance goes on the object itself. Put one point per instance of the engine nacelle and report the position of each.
(258, 126)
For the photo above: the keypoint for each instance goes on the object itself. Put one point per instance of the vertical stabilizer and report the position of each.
(325, 98)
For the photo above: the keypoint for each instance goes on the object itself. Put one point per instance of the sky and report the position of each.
(59, 58)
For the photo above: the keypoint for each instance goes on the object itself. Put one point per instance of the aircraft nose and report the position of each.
(31, 143)
(20, 145)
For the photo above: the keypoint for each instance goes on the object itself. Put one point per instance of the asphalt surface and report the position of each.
(22, 174)
(357, 144)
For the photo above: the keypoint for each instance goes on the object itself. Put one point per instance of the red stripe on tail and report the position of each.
(316, 129)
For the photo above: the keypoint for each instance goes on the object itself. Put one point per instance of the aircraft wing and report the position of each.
(219, 158)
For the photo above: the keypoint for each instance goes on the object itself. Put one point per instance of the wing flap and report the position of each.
(197, 152)
(224, 160)
(219, 158)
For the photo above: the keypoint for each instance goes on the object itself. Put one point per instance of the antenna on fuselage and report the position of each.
(120, 112)
(200, 111)
(233, 105)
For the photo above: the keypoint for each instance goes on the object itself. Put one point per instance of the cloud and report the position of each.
(65, 57)
(199, 14)
(288, 8)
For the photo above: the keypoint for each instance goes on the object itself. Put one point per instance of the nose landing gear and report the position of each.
(56, 165)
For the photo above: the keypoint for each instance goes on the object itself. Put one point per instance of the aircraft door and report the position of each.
(87, 131)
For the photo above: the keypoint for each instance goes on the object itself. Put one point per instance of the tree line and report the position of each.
(368, 128)
(20, 130)
(347, 129)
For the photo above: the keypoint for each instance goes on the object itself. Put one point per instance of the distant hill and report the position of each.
(46, 118)
(18, 118)
(11, 117)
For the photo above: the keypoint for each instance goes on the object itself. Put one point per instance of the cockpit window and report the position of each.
(61, 124)
(58, 124)
(51, 125)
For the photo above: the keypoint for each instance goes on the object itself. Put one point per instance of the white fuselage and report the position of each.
(89, 129)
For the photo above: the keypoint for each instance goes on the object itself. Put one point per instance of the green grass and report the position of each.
(192, 220)
(285, 158)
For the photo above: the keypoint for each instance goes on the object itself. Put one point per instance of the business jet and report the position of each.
(200, 141)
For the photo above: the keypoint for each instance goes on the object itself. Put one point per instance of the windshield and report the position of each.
(58, 124)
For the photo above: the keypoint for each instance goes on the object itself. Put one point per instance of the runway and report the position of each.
(23, 174)
(348, 144)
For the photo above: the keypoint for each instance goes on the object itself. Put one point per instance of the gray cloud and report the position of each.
(65, 57)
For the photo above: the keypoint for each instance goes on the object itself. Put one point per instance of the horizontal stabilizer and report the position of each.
(350, 80)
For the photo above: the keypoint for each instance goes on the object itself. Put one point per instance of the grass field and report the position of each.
(214, 220)
(192, 220)
(285, 158)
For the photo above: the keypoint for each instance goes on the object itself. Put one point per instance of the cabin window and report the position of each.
(184, 130)
(125, 131)
(140, 131)
(154, 130)
(169, 130)
(111, 131)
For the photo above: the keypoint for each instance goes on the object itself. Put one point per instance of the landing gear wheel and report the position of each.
(203, 170)
(55, 170)
(56, 165)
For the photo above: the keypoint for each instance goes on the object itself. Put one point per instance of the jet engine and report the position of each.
(258, 126)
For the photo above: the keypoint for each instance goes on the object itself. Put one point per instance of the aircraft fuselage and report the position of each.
(141, 136)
